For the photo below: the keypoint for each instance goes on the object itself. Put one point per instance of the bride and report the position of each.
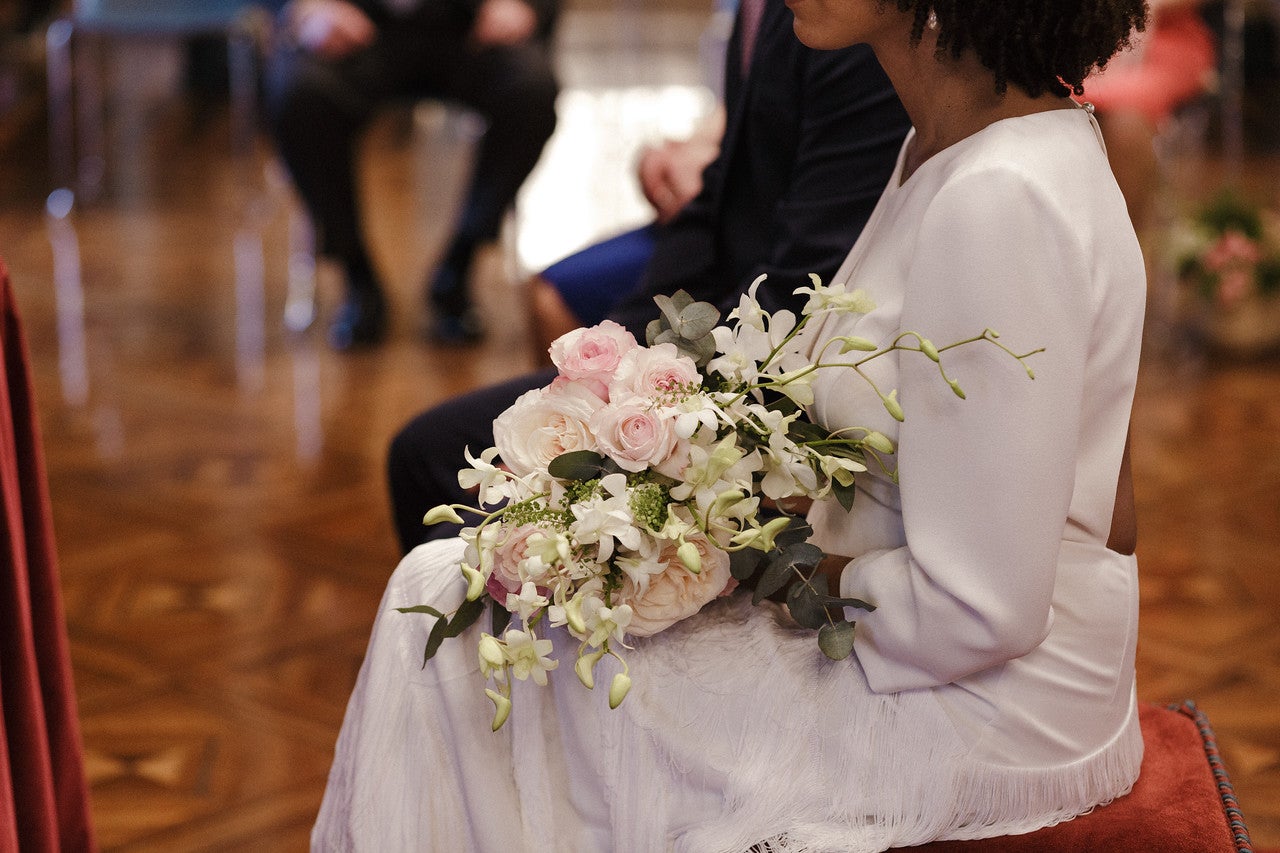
(992, 690)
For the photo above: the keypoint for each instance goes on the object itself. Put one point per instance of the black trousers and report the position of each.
(424, 458)
(317, 109)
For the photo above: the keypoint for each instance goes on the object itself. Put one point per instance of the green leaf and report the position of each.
(797, 532)
(422, 608)
(439, 631)
(681, 300)
(836, 641)
(803, 554)
(804, 600)
(777, 571)
(652, 331)
(702, 350)
(576, 465)
(697, 320)
(670, 311)
(802, 431)
(500, 617)
(844, 494)
(466, 616)
(743, 563)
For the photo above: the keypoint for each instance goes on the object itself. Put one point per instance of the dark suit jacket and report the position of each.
(811, 138)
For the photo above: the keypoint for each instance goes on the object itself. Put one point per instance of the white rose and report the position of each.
(634, 434)
(544, 423)
(653, 372)
(676, 593)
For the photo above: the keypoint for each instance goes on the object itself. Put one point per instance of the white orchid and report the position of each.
(527, 602)
(824, 298)
(528, 655)
(483, 475)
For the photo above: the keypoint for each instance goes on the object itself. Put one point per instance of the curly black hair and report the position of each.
(1038, 45)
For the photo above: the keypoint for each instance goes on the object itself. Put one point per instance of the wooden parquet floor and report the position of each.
(224, 533)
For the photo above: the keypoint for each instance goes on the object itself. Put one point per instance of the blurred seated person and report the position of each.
(343, 59)
(1171, 65)
(581, 289)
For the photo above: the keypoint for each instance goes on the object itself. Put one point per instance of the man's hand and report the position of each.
(671, 173)
(331, 28)
(504, 22)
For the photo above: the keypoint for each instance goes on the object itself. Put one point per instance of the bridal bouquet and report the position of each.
(646, 481)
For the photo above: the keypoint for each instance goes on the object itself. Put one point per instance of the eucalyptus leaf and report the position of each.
(576, 465)
(681, 300)
(702, 350)
(697, 320)
(805, 602)
(803, 554)
(836, 641)
(652, 331)
(422, 608)
(743, 563)
(777, 571)
(670, 311)
(797, 532)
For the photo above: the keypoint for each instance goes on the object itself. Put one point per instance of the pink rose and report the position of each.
(544, 423)
(634, 434)
(507, 557)
(676, 593)
(592, 353)
(653, 372)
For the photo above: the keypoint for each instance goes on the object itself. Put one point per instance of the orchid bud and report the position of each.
(878, 441)
(927, 347)
(690, 556)
(440, 513)
(573, 616)
(618, 689)
(893, 407)
(475, 582)
(585, 668)
(491, 655)
(726, 499)
(501, 707)
(849, 342)
(955, 386)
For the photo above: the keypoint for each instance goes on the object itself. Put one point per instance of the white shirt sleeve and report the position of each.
(986, 482)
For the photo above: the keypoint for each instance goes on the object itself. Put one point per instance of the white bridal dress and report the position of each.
(991, 692)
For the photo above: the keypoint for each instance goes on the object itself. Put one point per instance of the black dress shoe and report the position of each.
(361, 320)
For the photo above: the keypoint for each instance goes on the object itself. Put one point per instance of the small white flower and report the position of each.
(824, 298)
(484, 476)
(528, 655)
(527, 602)
(604, 622)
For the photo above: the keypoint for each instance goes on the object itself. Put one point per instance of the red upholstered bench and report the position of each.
(1183, 802)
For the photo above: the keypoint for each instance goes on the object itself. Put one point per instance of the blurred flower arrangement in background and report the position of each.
(1228, 250)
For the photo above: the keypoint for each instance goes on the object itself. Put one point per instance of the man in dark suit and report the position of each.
(810, 140)
(345, 58)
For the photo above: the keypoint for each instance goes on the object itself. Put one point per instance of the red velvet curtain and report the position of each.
(44, 804)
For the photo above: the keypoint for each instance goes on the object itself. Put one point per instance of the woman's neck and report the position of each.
(949, 99)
